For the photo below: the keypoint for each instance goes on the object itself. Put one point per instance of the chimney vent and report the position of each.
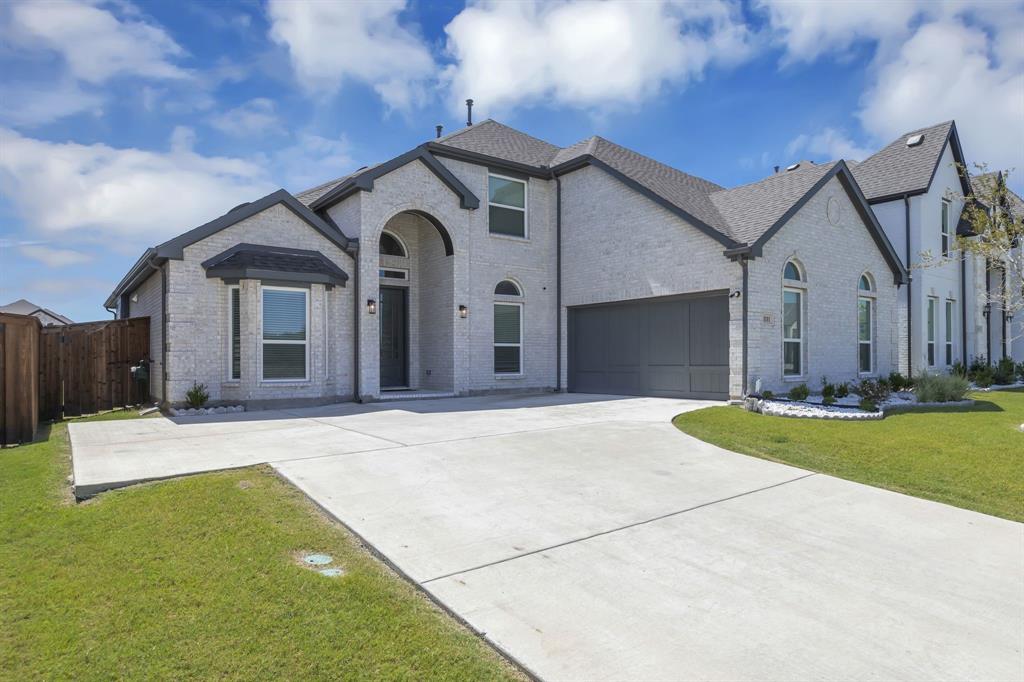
(439, 128)
(776, 169)
(469, 112)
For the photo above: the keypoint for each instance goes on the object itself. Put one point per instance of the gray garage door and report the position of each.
(675, 347)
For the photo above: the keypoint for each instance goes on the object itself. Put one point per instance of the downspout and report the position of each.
(988, 308)
(1002, 308)
(356, 308)
(910, 282)
(746, 279)
(558, 285)
(963, 307)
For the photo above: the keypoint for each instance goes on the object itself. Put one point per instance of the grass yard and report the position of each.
(968, 457)
(197, 578)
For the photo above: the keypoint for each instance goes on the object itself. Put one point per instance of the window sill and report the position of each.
(787, 379)
(509, 376)
(285, 382)
(509, 237)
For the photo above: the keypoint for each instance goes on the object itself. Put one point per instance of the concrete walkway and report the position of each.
(589, 539)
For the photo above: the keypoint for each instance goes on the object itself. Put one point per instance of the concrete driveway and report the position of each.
(589, 539)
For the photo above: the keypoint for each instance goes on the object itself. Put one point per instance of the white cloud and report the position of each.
(122, 197)
(587, 54)
(54, 258)
(96, 45)
(333, 42)
(827, 145)
(311, 160)
(256, 117)
(945, 72)
(37, 104)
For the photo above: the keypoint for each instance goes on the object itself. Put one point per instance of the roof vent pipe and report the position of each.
(439, 128)
(776, 169)
(469, 112)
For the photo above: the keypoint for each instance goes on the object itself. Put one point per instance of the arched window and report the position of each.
(507, 288)
(865, 324)
(391, 246)
(793, 295)
(508, 330)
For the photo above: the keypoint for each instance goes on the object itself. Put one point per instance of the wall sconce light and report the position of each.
(735, 294)
(371, 306)
(463, 312)
(987, 310)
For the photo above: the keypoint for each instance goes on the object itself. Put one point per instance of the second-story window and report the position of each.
(947, 237)
(506, 206)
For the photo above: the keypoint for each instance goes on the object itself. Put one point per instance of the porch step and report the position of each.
(390, 396)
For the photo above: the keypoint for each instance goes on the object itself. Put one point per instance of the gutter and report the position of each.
(746, 279)
(356, 307)
(910, 286)
(558, 284)
(1002, 308)
(988, 304)
(963, 307)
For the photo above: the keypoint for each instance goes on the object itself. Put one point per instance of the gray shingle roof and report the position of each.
(899, 169)
(308, 196)
(23, 307)
(982, 188)
(494, 139)
(243, 259)
(751, 210)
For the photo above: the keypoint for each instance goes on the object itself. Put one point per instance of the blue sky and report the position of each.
(123, 124)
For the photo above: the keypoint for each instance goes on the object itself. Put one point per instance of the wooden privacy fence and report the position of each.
(19, 369)
(86, 368)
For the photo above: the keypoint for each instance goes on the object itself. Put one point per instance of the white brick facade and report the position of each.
(617, 244)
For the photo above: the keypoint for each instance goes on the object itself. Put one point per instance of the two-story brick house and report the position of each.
(489, 260)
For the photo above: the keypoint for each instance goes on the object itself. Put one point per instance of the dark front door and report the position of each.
(394, 368)
(675, 347)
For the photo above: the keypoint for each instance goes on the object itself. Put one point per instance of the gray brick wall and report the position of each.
(198, 320)
(149, 304)
(619, 245)
(834, 257)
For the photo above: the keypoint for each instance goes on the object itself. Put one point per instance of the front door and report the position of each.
(394, 366)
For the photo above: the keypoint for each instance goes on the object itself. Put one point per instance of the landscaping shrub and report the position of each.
(982, 377)
(898, 382)
(827, 390)
(1020, 371)
(197, 395)
(978, 364)
(799, 392)
(828, 400)
(842, 390)
(958, 369)
(767, 395)
(868, 405)
(941, 388)
(1004, 372)
(874, 390)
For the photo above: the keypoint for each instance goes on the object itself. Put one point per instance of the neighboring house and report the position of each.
(489, 261)
(916, 186)
(46, 316)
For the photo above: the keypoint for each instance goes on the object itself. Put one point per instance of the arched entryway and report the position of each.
(416, 306)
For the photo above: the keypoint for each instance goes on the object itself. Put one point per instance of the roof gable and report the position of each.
(491, 138)
(899, 169)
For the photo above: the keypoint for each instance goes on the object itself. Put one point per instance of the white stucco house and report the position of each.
(491, 261)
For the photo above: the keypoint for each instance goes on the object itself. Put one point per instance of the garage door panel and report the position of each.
(671, 347)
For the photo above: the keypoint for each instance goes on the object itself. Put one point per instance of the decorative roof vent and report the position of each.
(915, 140)
(792, 167)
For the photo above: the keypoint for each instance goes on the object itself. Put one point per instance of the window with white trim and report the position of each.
(865, 326)
(234, 334)
(947, 237)
(285, 338)
(506, 206)
(792, 321)
(950, 312)
(508, 338)
(933, 304)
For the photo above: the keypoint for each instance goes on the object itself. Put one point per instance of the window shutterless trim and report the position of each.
(950, 308)
(799, 341)
(511, 345)
(870, 341)
(946, 235)
(524, 208)
(231, 333)
(305, 342)
(932, 313)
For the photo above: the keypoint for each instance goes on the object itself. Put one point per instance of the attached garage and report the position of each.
(673, 347)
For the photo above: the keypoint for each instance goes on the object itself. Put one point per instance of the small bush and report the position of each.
(828, 391)
(799, 392)
(1003, 372)
(875, 390)
(828, 400)
(959, 369)
(842, 390)
(978, 364)
(1020, 371)
(941, 388)
(898, 382)
(983, 377)
(197, 395)
(868, 405)
(767, 395)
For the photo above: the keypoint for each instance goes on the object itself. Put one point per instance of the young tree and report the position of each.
(994, 217)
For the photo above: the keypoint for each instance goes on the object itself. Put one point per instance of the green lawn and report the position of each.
(197, 578)
(968, 457)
